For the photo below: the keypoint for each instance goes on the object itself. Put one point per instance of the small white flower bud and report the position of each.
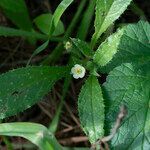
(68, 45)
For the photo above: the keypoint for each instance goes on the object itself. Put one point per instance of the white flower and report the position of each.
(68, 45)
(78, 71)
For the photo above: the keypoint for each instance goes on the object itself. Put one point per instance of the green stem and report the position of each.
(57, 52)
(86, 21)
(137, 10)
(54, 123)
(93, 42)
(75, 19)
(45, 37)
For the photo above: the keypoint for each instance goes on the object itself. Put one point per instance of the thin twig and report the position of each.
(103, 142)
(72, 140)
(121, 115)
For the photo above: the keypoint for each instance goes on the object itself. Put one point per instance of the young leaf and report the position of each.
(91, 109)
(134, 45)
(82, 47)
(108, 49)
(107, 11)
(23, 87)
(129, 85)
(17, 12)
(36, 133)
(43, 23)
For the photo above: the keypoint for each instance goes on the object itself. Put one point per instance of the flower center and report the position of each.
(78, 71)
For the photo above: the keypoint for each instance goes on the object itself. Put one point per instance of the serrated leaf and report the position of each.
(36, 133)
(107, 11)
(91, 109)
(129, 84)
(16, 11)
(108, 49)
(43, 23)
(82, 47)
(23, 87)
(134, 46)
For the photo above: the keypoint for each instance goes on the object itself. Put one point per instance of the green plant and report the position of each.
(124, 56)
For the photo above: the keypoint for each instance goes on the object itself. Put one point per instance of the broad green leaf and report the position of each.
(6, 31)
(107, 11)
(23, 87)
(43, 23)
(129, 84)
(82, 47)
(91, 109)
(36, 133)
(134, 46)
(17, 12)
(108, 49)
(57, 15)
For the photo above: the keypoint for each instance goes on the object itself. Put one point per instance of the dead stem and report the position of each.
(103, 142)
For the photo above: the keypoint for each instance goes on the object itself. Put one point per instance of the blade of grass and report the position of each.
(55, 121)
(11, 32)
(57, 15)
(6, 31)
(57, 52)
(38, 50)
(54, 124)
(53, 24)
(35, 133)
(86, 21)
